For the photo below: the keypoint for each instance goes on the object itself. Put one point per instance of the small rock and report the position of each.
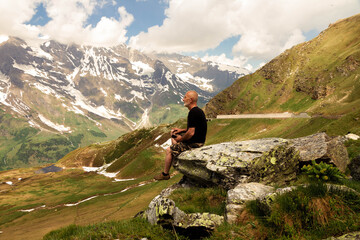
(243, 192)
(352, 136)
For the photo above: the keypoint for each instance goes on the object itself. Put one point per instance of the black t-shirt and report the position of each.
(196, 118)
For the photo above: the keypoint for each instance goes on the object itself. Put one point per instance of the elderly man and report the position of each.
(184, 139)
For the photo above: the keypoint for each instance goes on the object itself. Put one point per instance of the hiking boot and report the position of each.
(161, 176)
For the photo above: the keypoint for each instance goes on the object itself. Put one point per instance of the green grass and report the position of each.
(193, 200)
(312, 212)
(145, 162)
(353, 148)
(297, 103)
(131, 229)
(168, 114)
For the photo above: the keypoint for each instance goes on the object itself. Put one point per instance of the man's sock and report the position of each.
(165, 174)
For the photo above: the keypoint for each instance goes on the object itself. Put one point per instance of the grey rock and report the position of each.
(270, 161)
(243, 192)
(320, 146)
(348, 236)
(224, 164)
(163, 211)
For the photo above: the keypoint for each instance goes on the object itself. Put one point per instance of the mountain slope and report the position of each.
(319, 76)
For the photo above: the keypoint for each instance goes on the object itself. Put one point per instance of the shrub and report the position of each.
(323, 172)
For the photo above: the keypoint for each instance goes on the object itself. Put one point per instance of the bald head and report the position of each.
(190, 99)
(193, 95)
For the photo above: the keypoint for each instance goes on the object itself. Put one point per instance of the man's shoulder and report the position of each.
(196, 109)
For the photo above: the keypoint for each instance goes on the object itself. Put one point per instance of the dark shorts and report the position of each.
(180, 147)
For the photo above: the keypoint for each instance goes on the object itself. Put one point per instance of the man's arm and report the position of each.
(189, 133)
(177, 130)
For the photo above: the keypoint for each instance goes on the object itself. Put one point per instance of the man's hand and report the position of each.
(178, 138)
(177, 130)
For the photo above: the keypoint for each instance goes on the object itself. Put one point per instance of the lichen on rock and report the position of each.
(279, 166)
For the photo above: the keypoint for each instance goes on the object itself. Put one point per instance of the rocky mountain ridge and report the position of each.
(113, 83)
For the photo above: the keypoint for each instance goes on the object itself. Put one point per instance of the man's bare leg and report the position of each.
(168, 161)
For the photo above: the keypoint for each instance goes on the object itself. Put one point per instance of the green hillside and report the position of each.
(320, 77)
(137, 157)
(25, 146)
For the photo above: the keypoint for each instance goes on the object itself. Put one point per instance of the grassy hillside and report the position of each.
(320, 77)
(25, 146)
(136, 156)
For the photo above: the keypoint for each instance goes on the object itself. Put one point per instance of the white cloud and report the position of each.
(266, 27)
(189, 26)
(67, 24)
(222, 59)
(13, 14)
(69, 17)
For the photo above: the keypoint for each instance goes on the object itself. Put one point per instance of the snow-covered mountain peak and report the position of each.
(119, 84)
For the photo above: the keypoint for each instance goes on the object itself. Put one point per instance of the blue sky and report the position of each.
(246, 33)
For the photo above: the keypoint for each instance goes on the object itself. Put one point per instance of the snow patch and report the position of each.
(74, 204)
(38, 52)
(352, 136)
(45, 89)
(103, 91)
(32, 209)
(123, 180)
(101, 170)
(202, 83)
(142, 68)
(31, 70)
(60, 128)
(4, 87)
(157, 138)
(3, 38)
(137, 94)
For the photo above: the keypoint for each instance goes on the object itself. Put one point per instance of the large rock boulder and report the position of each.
(224, 164)
(271, 161)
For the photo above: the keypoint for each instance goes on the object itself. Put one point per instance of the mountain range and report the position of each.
(72, 95)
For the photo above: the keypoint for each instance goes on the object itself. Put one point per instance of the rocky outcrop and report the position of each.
(247, 169)
(270, 161)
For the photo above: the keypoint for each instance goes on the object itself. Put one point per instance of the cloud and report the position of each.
(236, 61)
(68, 22)
(188, 26)
(11, 22)
(265, 27)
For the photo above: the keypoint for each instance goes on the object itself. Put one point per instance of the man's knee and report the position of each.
(168, 150)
